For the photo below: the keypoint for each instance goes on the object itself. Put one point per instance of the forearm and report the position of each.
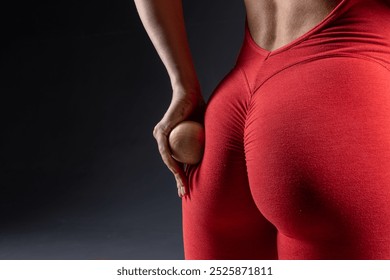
(164, 22)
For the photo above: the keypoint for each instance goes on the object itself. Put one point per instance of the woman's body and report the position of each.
(297, 156)
(274, 23)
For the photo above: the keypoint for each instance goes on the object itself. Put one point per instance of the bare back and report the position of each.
(274, 23)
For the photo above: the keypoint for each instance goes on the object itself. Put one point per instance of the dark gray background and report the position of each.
(81, 90)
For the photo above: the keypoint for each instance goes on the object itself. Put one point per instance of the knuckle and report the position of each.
(156, 130)
(164, 128)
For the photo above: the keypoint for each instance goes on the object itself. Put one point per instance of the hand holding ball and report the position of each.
(186, 141)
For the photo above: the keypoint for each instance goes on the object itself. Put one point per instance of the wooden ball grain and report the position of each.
(186, 141)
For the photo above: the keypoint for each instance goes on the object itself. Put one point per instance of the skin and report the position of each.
(272, 24)
(275, 23)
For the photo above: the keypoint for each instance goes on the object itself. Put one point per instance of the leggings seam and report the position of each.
(245, 129)
(250, 94)
(362, 57)
(246, 80)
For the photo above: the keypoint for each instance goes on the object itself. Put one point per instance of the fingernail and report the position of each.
(183, 191)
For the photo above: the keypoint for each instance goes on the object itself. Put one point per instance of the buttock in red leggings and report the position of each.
(297, 155)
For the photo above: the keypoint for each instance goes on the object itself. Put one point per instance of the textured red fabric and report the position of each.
(297, 154)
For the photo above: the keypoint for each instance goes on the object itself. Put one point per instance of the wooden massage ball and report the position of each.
(186, 141)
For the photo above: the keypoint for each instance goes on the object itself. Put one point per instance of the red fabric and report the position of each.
(297, 155)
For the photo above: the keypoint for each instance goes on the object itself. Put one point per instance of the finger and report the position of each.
(161, 133)
(177, 171)
(171, 163)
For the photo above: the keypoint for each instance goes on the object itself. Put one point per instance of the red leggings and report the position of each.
(297, 155)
